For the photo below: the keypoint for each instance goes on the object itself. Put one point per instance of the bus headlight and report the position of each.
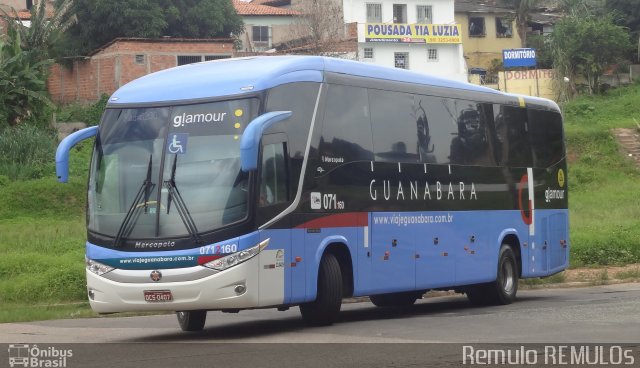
(234, 259)
(97, 267)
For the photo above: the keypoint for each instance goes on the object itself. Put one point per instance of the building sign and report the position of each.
(413, 33)
(518, 57)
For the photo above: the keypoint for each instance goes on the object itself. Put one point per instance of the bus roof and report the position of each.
(239, 76)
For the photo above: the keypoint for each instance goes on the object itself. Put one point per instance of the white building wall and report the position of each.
(450, 62)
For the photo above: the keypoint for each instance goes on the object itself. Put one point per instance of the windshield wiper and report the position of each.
(143, 192)
(183, 211)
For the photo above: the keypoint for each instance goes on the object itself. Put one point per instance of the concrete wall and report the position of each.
(450, 62)
(447, 66)
(480, 51)
(115, 65)
(526, 83)
(282, 29)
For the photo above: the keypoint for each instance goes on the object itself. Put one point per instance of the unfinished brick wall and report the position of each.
(116, 64)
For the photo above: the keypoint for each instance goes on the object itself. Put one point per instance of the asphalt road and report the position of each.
(395, 336)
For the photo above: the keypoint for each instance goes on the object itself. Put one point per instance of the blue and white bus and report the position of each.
(271, 182)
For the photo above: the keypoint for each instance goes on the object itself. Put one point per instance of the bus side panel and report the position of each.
(558, 244)
(393, 246)
(298, 268)
(275, 275)
(548, 252)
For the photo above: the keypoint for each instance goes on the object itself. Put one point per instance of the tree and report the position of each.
(201, 18)
(629, 13)
(523, 9)
(320, 25)
(24, 62)
(585, 46)
(101, 21)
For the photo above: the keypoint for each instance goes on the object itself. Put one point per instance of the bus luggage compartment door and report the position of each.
(392, 257)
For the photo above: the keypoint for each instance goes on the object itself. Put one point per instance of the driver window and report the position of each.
(273, 175)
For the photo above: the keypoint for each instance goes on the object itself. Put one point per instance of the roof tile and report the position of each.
(252, 8)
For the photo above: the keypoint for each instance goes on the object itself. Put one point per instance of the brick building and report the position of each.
(125, 59)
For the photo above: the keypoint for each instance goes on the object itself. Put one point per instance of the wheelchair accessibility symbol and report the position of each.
(177, 143)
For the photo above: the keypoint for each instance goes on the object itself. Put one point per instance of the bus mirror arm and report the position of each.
(62, 153)
(250, 140)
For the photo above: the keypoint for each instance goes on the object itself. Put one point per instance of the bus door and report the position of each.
(274, 196)
(392, 253)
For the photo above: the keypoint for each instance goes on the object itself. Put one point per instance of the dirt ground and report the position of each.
(625, 273)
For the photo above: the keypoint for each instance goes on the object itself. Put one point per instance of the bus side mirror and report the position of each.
(250, 140)
(62, 153)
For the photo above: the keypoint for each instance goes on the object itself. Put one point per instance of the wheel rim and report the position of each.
(507, 277)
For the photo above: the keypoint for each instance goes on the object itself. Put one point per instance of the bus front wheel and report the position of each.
(324, 309)
(504, 289)
(192, 320)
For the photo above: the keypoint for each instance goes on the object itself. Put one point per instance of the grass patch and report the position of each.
(43, 234)
(26, 152)
(12, 312)
(629, 274)
(603, 202)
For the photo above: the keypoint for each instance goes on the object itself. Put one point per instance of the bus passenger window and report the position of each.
(393, 118)
(273, 175)
(471, 144)
(436, 129)
(546, 137)
(512, 130)
(346, 131)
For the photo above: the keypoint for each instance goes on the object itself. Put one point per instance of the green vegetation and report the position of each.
(81, 112)
(12, 312)
(604, 185)
(99, 22)
(43, 233)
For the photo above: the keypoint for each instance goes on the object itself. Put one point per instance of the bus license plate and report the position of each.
(158, 296)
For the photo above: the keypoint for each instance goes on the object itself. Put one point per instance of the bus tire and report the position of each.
(503, 290)
(192, 320)
(323, 310)
(395, 299)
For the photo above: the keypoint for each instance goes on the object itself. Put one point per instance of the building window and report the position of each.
(399, 13)
(260, 34)
(216, 57)
(401, 60)
(476, 27)
(368, 53)
(504, 27)
(189, 59)
(139, 59)
(425, 14)
(374, 13)
(432, 54)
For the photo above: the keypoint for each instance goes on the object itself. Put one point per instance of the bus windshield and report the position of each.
(166, 172)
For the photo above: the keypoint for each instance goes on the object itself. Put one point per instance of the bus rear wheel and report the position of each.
(192, 320)
(503, 290)
(395, 299)
(324, 309)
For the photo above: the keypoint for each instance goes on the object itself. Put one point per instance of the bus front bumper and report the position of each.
(234, 288)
